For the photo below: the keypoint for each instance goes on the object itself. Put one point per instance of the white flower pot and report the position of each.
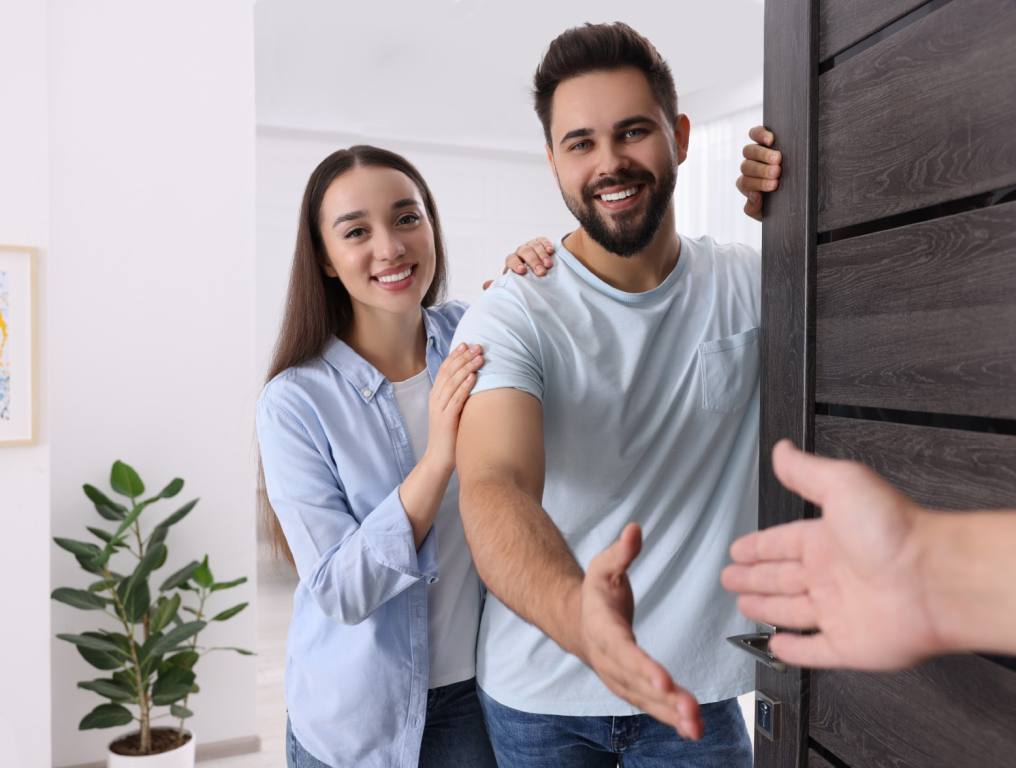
(181, 757)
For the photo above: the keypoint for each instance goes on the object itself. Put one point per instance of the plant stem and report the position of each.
(143, 704)
(203, 596)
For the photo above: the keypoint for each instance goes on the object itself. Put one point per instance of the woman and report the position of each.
(357, 429)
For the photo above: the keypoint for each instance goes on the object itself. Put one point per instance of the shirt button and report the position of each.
(366, 392)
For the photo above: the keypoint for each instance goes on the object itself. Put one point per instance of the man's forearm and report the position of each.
(522, 557)
(969, 578)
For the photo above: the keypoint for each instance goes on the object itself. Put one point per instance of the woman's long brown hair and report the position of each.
(318, 307)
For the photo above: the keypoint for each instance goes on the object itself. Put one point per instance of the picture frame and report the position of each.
(17, 344)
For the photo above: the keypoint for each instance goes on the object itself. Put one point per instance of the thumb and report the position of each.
(486, 284)
(616, 558)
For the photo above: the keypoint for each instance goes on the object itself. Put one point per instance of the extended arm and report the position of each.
(885, 582)
(524, 560)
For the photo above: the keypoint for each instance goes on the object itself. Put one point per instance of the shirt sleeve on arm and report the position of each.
(350, 567)
(501, 324)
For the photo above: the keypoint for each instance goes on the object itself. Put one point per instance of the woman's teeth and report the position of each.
(613, 197)
(396, 277)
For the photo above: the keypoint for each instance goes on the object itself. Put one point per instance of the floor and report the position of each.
(274, 601)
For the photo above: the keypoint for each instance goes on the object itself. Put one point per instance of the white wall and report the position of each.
(24, 471)
(150, 306)
(489, 203)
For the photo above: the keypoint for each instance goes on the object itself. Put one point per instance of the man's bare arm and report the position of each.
(524, 560)
(519, 552)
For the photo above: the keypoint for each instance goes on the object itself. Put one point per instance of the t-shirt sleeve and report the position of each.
(501, 324)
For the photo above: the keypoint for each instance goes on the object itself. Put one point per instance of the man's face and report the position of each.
(615, 156)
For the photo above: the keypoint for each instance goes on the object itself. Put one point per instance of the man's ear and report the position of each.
(682, 130)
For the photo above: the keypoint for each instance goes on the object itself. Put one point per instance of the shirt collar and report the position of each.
(364, 377)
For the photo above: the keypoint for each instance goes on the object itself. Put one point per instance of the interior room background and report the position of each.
(155, 155)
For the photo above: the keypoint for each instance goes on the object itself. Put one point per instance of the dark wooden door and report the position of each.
(889, 336)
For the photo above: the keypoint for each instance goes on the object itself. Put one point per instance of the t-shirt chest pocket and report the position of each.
(728, 370)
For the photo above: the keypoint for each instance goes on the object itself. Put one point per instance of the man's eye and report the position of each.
(633, 133)
(579, 146)
(355, 232)
(409, 218)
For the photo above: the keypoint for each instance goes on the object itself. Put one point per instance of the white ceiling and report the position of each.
(459, 71)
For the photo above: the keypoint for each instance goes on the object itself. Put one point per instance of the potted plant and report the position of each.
(149, 647)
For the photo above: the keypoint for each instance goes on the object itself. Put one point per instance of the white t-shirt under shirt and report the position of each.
(650, 414)
(454, 599)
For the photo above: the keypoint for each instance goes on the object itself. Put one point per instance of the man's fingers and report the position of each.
(754, 209)
(804, 650)
(761, 135)
(781, 542)
(774, 578)
(757, 170)
(616, 558)
(809, 476)
(796, 612)
(762, 154)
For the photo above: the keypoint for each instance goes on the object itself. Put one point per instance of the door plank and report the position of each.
(939, 468)
(841, 23)
(949, 713)
(922, 117)
(915, 318)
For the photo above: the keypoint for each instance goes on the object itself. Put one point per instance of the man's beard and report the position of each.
(626, 233)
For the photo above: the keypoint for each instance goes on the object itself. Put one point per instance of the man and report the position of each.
(622, 388)
(887, 583)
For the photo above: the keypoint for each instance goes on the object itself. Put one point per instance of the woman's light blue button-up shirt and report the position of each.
(335, 450)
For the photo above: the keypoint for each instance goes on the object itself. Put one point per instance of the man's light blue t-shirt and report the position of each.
(650, 415)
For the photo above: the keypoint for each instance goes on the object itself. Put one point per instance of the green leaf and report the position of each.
(93, 641)
(173, 685)
(105, 536)
(171, 490)
(154, 558)
(79, 598)
(106, 716)
(103, 585)
(177, 710)
(241, 651)
(229, 584)
(181, 576)
(109, 509)
(136, 598)
(84, 549)
(100, 659)
(229, 612)
(203, 574)
(165, 610)
(125, 480)
(184, 659)
(111, 689)
(157, 536)
(179, 515)
(174, 637)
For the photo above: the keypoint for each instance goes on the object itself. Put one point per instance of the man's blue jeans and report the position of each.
(524, 740)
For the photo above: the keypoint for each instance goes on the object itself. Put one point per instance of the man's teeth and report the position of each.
(397, 277)
(613, 197)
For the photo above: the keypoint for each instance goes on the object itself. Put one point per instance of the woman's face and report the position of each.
(379, 240)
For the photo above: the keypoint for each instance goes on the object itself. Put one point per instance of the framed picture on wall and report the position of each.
(17, 386)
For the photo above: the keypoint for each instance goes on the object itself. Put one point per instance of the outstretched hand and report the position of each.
(609, 646)
(853, 574)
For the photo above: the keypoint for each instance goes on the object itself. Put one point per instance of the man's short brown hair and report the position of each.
(593, 47)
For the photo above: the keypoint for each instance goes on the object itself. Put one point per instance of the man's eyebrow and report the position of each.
(348, 217)
(575, 134)
(620, 125)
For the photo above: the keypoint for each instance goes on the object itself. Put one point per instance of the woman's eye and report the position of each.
(355, 232)
(409, 218)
